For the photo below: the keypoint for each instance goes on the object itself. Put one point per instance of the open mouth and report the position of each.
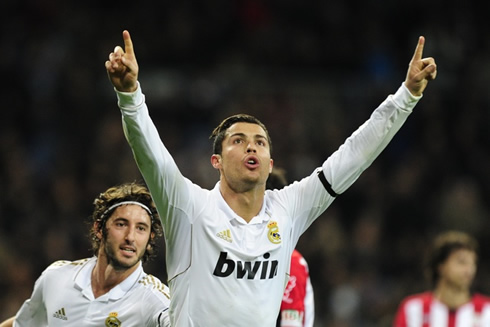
(128, 250)
(252, 163)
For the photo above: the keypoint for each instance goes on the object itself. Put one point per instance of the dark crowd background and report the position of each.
(312, 71)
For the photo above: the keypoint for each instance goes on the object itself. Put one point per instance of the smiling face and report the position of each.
(128, 232)
(245, 161)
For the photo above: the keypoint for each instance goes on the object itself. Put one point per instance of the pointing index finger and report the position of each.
(128, 44)
(419, 49)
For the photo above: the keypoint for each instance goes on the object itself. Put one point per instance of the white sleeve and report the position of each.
(152, 157)
(307, 199)
(33, 311)
(154, 303)
(164, 319)
(309, 304)
(168, 186)
(176, 198)
(358, 152)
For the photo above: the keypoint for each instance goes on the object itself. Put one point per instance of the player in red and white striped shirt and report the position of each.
(297, 307)
(451, 267)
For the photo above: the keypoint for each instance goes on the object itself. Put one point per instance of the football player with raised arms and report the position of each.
(228, 249)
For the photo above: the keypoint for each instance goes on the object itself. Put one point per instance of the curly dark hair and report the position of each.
(116, 194)
(218, 134)
(443, 246)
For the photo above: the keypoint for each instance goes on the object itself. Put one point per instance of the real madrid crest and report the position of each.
(273, 232)
(112, 320)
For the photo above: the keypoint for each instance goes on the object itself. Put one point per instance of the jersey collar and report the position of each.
(83, 282)
(263, 215)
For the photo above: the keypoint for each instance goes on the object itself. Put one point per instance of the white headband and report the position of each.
(129, 202)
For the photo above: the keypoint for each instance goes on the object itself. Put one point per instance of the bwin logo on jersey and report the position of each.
(246, 269)
(273, 232)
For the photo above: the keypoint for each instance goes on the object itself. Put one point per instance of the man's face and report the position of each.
(245, 160)
(128, 234)
(459, 269)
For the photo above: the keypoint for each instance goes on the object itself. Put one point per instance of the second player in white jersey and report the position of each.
(63, 297)
(111, 288)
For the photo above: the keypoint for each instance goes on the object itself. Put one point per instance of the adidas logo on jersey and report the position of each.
(225, 235)
(60, 314)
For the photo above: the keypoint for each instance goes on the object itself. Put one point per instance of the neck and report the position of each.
(104, 277)
(246, 204)
(452, 296)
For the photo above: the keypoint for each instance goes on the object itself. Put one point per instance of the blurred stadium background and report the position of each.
(311, 70)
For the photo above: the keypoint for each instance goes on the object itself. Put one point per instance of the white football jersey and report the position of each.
(222, 270)
(63, 297)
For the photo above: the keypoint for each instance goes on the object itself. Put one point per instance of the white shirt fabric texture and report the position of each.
(309, 304)
(63, 296)
(222, 270)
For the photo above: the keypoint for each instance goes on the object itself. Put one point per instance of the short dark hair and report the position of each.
(103, 209)
(218, 134)
(442, 247)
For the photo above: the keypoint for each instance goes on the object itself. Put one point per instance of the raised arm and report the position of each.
(122, 67)
(420, 70)
(365, 144)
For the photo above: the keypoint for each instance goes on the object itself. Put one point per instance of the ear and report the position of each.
(271, 165)
(96, 228)
(148, 246)
(216, 161)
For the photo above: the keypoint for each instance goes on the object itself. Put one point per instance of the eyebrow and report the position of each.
(257, 136)
(142, 223)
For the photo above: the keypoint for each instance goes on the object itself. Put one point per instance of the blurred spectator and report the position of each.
(451, 269)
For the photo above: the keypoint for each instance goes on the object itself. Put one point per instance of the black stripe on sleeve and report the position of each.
(326, 184)
(160, 317)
